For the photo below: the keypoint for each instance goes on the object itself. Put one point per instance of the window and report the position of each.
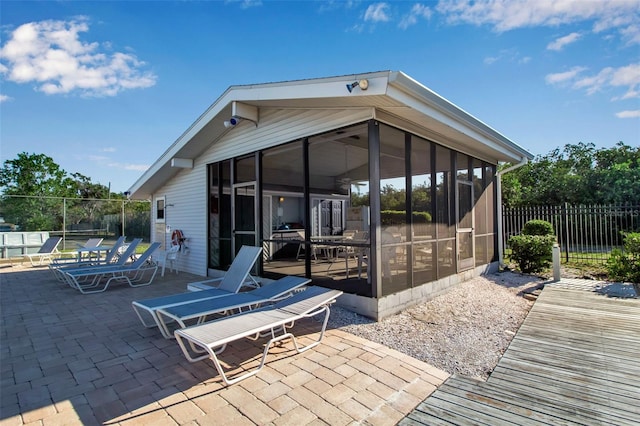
(160, 209)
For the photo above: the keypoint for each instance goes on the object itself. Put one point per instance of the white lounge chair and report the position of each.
(210, 339)
(97, 279)
(47, 251)
(198, 311)
(232, 281)
(115, 257)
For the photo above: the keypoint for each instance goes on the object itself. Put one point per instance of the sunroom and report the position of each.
(371, 183)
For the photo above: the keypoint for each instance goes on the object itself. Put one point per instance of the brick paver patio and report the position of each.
(68, 358)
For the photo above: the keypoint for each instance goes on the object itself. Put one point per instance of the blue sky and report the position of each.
(104, 88)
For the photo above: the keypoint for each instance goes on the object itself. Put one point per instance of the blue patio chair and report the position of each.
(232, 281)
(97, 279)
(198, 311)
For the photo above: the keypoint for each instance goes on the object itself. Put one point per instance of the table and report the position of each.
(90, 250)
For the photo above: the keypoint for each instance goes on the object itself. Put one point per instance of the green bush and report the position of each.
(533, 249)
(624, 265)
(537, 227)
(399, 217)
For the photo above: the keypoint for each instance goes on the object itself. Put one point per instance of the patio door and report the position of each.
(465, 225)
(244, 216)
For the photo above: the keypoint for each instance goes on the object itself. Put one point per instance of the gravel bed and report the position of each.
(463, 331)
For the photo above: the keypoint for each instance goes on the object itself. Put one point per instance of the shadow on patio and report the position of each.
(69, 358)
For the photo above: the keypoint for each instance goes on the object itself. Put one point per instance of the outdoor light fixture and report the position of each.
(363, 84)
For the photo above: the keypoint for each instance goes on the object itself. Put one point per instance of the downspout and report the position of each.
(499, 174)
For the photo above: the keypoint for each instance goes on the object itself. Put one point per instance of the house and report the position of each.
(370, 183)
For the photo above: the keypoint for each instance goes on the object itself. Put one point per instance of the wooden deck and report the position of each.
(575, 360)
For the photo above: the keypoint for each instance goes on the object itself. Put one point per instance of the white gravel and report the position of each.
(463, 331)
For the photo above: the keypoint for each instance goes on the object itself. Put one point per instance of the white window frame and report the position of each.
(164, 210)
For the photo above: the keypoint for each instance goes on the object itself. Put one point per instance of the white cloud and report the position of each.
(505, 15)
(417, 11)
(245, 4)
(560, 43)
(609, 78)
(509, 55)
(129, 166)
(628, 114)
(5, 98)
(51, 54)
(97, 158)
(377, 12)
(562, 77)
(491, 59)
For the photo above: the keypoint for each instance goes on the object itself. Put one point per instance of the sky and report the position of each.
(105, 87)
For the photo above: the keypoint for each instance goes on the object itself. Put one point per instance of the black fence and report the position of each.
(585, 233)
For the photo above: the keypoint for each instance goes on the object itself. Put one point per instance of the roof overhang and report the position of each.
(395, 97)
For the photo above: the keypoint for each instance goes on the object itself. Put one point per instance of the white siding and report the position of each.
(186, 193)
(280, 126)
(186, 209)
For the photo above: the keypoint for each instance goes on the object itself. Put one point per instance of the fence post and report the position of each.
(556, 262)
(566, 231)
(64, 223)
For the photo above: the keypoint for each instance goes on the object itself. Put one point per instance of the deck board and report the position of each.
(574, 360)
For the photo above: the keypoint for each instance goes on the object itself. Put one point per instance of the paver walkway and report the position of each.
(72, 359)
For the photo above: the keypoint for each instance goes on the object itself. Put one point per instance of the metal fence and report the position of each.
(585, 233)
(76, 219)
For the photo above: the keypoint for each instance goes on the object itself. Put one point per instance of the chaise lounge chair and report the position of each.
(76, 261)
(97, 279)
(230, 283)
(210, 339)
(237, 302)
(48, 251)
(115, 257)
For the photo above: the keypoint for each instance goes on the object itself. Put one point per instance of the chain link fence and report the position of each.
(76, 219)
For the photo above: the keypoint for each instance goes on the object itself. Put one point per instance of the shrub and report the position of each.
(537, 227)
(533, 249)
(399, 217)
(624, 265)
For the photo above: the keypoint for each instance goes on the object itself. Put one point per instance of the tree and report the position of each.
(577, 174)
(30, 185)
